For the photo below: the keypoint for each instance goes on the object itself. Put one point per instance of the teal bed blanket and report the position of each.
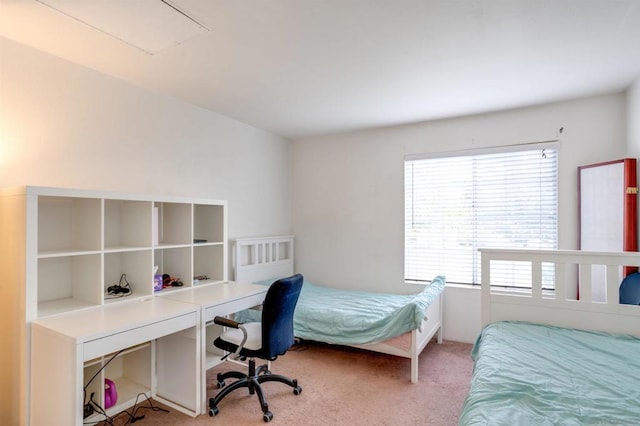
(347, 317)
(531, 374)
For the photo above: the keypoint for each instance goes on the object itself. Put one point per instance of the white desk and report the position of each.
(166, 351)
(62, 344)
(217, 299)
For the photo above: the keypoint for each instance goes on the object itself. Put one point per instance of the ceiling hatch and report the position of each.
(149, 25)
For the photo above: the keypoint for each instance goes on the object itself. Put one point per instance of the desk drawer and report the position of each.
(135, 336)
(233, 306)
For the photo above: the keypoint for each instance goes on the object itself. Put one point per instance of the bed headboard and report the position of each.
(262, 258)
(572, 269)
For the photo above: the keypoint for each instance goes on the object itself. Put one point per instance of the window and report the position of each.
(455, 205)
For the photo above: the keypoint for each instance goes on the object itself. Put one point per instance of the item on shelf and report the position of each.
(199, 240)
(110, 394)
(121, 289)
(117, 289)
(157, 282)
(199, 278)
(169, 281)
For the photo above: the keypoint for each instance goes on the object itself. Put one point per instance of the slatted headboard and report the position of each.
(262, 258)
(561, 307)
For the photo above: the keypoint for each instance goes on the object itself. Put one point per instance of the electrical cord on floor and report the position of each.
(92, 407)
(133, 415)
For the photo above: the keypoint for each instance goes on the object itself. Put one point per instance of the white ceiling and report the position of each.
(301, 68)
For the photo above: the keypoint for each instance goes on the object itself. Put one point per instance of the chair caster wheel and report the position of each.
(297, 390)
(213, 411)
(267, 417)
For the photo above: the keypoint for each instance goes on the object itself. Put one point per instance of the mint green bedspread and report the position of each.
(530, 374)
(347, 317)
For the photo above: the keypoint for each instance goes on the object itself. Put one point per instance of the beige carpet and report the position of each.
(344, 386)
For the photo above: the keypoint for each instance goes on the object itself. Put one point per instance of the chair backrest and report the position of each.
(630, 289)
(277, 315)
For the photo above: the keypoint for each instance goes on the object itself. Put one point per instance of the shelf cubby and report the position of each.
(67, 283)
(131, 371)
(174, 224)
(208, 224)
(137, 267)
(208, 261)
(176, 262)
(69, 225)
(127, 224)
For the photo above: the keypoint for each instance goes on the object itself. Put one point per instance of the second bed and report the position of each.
(395, 324)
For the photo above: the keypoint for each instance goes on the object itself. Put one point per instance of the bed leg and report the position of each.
(440, 335)
(414, 369)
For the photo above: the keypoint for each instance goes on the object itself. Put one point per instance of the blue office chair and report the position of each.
(630, 289)
(266, 340)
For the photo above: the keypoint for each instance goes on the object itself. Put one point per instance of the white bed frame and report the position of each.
(573, 269)
(264, 258)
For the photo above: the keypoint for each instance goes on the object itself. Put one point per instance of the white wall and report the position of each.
(67, 126)
(348, 200)
(633, 118)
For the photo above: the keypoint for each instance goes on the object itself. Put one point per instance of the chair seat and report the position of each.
(254, 336)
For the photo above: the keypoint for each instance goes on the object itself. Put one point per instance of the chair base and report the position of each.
(252, 381)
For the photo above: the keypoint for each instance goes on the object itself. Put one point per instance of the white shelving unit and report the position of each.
(61, 249)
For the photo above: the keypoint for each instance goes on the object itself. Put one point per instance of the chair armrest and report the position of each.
(232, 324)
(226, 322)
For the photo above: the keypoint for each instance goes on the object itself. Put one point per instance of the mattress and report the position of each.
(532, 374)
(347, 317)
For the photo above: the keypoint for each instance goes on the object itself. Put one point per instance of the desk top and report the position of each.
(217, 294)
(100, 321)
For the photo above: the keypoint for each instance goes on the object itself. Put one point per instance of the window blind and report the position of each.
(457, 204)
